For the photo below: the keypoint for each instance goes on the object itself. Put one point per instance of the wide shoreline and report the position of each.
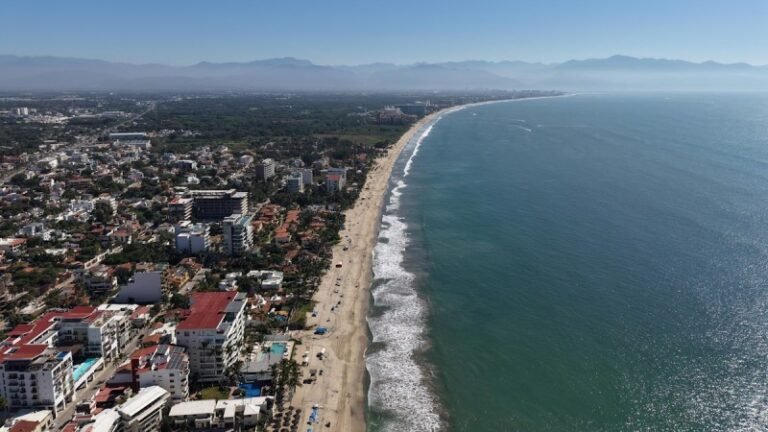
(340, 391)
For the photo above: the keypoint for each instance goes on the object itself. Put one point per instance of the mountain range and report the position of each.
(18, 73)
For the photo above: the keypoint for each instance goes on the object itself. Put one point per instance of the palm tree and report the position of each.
(294, 375)
(273, 370)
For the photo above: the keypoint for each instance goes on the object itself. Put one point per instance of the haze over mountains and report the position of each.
(612, 73)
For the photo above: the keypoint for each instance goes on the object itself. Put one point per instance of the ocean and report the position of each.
(588, 263)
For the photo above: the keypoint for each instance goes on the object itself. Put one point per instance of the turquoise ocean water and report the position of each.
(588, 263)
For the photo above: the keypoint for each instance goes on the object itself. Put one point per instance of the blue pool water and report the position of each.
(278, 348)
(251, 389)
(83, 367)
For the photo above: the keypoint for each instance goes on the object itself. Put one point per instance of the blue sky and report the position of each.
(363, 31)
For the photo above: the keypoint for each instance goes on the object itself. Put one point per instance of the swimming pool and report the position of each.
(83, 367)
(251, 389)
(278, 348)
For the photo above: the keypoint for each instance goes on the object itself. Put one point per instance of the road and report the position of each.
(199, 277)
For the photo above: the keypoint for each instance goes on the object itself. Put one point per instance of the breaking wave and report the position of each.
(398, 384)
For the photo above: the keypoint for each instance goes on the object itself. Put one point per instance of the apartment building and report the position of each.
(238, 234)
(180, 209)
(213, 333)
(306, 175)
(96, 333)
(36, 376)
(265, 169)
(294, 183)
(334, 183)
(218, 204)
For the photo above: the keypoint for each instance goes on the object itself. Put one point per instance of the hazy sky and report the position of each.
(363, 31)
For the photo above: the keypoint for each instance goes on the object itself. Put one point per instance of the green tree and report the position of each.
(123, 275)
(102, 213)
(179, 301)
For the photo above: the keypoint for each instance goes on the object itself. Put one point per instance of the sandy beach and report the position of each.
(342, 304)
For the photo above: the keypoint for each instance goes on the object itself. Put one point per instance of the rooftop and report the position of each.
(23, 352)
(24, 426)
(207, 310)
(143, 398)
(190, 408)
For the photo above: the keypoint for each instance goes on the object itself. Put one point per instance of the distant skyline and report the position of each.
(358, 32)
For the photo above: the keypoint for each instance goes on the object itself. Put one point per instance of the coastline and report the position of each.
(341, 392)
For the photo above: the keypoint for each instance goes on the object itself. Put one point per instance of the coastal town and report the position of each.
(156, 278)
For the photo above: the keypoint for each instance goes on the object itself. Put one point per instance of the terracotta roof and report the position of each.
(292, 216)
(29, 332)
(24, 426)
(141, 310)
(23, 352)
(143, 352)
(206, 310)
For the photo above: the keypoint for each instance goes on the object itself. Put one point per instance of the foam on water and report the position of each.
(398, 383)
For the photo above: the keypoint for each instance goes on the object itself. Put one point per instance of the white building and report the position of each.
(245, 160)
(97, 331)
(238, 234)
(138, 140)
(229, 282)
(265, 169)
(230, 414)
(48, 163)
(105, 421)
(306, 175)
(143, 288)
(196, 415)
(37, 229)
(213, 333)
(268, 279)
(21, 111)
(144, 412)
(192, 238)
(36, 376)
(85, 206)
